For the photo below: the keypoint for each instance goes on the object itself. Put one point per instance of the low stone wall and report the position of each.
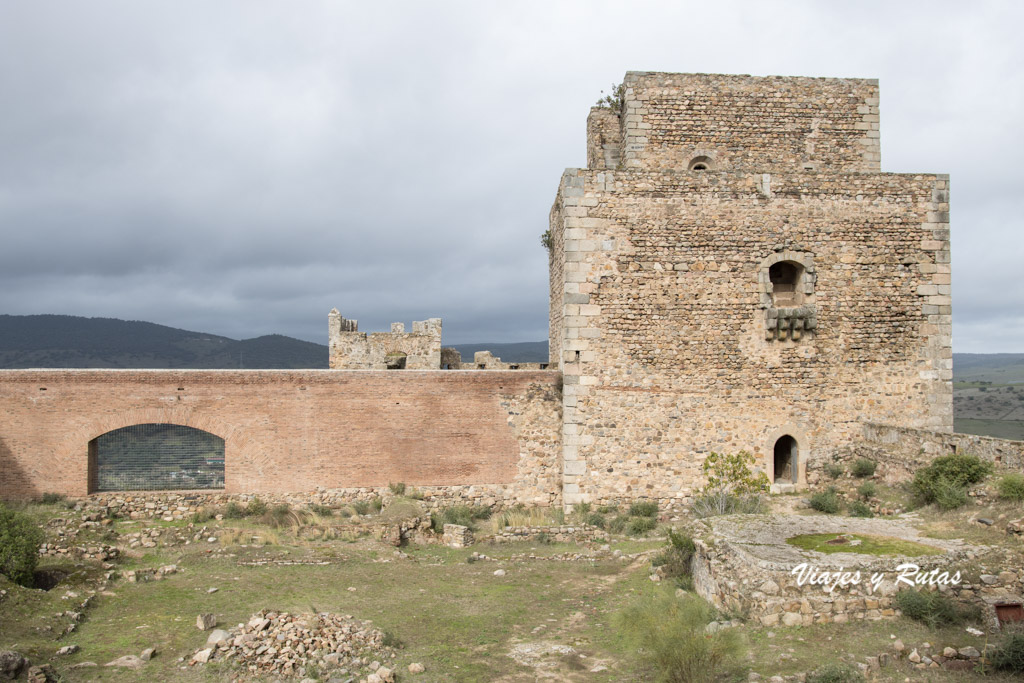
(932, 444)
(561, 534)
(748, 568)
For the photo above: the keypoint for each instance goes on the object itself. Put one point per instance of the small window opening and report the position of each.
(786, 278)
(482, 366)
(785, 460)
(513, 367)
(543, 366)
(395, 361)
(701, 163)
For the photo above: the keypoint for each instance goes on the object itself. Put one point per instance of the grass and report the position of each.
(869, 545)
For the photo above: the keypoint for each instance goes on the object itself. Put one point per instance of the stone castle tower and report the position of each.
(732, 271)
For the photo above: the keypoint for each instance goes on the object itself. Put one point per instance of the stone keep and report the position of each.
(732, 271)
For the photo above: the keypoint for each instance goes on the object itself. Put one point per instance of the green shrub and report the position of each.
(52, 498)
(594, 519)
(867, 490)
(321, 510)
(1011, 487)
(863, 467)
(362, 507)
(724, 503)
(377, 503)
(643, 508)
(834, 470)
(1009, 654)
(617, 524)
(20, 539)
(932, 608)
(945, 475)
(948, 495)
(582, 509)
(463, 515)
(543, 538)
(202, 515)
(668, 635)
(826, 501)
(397, 489)
(256, 508)
(732, 472)
(837, 672)
(234, 511)
(859, 508)
(415, 494)
(675, 559)
(638, 526)
(608, 509)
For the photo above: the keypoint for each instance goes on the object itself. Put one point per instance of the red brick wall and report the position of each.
(290, 431)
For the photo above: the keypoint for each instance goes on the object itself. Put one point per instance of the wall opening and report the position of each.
(701, 163)
(785, 460)
(786, 278)
(156, 457)
(395, 361)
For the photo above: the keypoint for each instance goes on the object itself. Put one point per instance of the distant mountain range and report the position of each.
(65, 341)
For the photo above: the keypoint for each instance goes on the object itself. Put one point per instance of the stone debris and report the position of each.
(283, 644)
(127, 662)
(148, 654)
(416, 668)
(204, 622)
(11, 664)
(68, 650)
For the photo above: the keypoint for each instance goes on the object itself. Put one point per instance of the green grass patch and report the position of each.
(869, 545)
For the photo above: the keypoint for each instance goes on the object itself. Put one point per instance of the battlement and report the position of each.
(351, 349)
(738, 123)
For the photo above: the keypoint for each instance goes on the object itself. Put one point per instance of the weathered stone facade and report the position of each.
(733, 271)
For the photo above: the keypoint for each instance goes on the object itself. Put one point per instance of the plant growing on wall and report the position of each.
(615, 99)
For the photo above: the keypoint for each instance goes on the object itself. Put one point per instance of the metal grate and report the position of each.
(147, 457)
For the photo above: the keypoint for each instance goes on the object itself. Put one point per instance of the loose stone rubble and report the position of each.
(286, 644)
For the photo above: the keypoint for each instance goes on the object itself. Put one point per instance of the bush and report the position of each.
(931, 608)
(834, 470)
(859, 508)
(826, 501)
(20, 539)
(582, 509)
(725, 503)
(202, 515)
(945, 475)
(463, 515)
(256, 508)
(669, 635)
(638, 526)
(948, 495)
(863, 467)
(675, 559)
(52, 498)
(594, 519)
(1009, 654)
(1011, 487)
(362, 507)
(321, 510)
(732, 472)
(234, 511)
(415, 494)
(835, 673)
(608, 509)
(867, 490)
(617, 524)
(397, 489)
(377, 503)
(643, 508)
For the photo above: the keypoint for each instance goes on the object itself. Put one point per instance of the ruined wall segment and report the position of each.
(675, 335)
(296, 430)
(350, 349)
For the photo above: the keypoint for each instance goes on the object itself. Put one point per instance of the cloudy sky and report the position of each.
(243, 167)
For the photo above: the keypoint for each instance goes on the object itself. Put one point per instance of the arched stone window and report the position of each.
(786, 278)
(786, 460)
(156, 457)
(700, 163)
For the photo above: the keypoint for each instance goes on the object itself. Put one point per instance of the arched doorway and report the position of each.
(785, 460)
(156, 457)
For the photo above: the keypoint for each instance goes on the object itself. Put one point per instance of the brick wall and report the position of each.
(296, 430)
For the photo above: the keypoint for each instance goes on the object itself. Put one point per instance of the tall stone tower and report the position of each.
(732, 271)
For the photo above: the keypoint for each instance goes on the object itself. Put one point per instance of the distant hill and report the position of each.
(64, 341)
(998, 368)
(521, 352)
